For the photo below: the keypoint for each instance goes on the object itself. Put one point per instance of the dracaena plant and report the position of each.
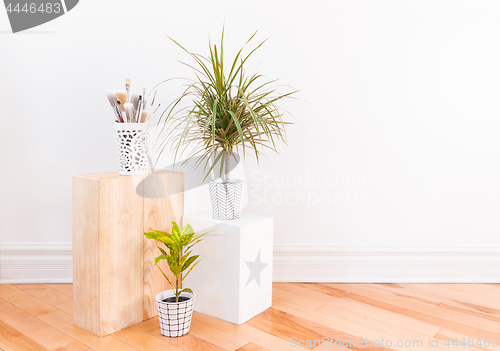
(177, 253)
(227, 110)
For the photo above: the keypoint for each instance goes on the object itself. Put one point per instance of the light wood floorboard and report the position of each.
(315, 316)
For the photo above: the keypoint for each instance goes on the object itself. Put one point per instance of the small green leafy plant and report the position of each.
(179, 244)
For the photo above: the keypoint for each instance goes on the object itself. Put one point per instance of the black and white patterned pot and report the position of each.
(226, 199)
(175, 317)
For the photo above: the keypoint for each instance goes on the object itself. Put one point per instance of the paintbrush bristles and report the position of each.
(121, 99)
(134, 99)
(111, 97)
(130, 107)
(129, 111)
(116, 109)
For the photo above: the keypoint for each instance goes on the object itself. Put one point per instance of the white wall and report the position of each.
(397, 146)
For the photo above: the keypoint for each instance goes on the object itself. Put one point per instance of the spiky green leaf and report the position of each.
(228, 111)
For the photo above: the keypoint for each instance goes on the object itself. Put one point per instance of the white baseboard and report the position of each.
(52, 263)
(35, 263)
(386, 264)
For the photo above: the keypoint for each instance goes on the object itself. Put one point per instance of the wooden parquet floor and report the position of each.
(318, 316)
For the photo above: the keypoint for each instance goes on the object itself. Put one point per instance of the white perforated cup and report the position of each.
(132, 141)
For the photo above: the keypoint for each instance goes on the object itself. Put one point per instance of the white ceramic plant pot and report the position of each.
(226, 199)
(132, 148)
(175, 317)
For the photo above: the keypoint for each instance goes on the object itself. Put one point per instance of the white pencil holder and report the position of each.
(133, 141)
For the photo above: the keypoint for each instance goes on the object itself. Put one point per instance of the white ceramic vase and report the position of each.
(226, 199)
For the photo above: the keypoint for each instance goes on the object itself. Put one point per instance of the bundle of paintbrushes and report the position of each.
(129, 106)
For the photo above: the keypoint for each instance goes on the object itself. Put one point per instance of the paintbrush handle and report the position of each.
(139, 110)
(119, 114)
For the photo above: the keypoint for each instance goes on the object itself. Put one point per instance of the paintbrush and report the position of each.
(129, 111)
(127, 87)
(151, 113)
(157, 107)
(139, 109)
(121, 99)
(112, 101)
(134, 100)
(154, 97)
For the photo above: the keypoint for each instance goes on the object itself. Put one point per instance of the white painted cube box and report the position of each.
(233, 280)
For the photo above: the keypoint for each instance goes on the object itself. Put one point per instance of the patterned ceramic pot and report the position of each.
(175, 317)
(226, 199)
(132, 148)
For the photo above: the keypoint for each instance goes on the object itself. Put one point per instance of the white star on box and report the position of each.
(255, 269)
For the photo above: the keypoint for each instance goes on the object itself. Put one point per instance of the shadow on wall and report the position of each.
(195, 175)
(25, 14)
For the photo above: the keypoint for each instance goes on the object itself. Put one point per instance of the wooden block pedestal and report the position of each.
(233, 280)
(114, 278)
